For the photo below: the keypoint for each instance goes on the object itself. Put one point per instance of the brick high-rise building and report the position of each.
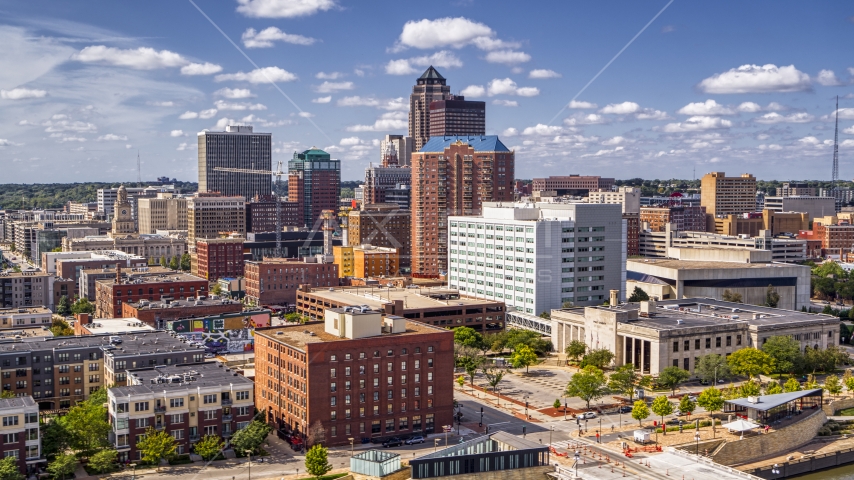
(722, 195)
(218, 257)
(314, 182)
(238, 147)
(210, 215)
(453, 176)
(110, 293)
(365, 375)
(274, 281)
(383, 225)
(457, 116)
(430, 87)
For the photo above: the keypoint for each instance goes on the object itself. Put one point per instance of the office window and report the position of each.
(717, 342)
(697, 344)
(708, 343)
(728, 341)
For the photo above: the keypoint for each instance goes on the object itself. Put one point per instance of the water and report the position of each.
(845, 472)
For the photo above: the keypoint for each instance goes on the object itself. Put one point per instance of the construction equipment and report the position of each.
(278, 174)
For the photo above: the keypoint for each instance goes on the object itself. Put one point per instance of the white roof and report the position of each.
(740, 425)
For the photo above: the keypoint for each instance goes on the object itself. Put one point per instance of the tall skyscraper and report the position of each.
(238, 147)
(314, 181)
(453, 176)
(389, 175)
(722, 195)
(430, 86)
(212, 216)
(402, 145)
(457, 116)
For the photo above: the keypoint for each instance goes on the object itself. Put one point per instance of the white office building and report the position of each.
(537, 257)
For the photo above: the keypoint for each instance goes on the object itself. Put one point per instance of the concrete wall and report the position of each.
(750, 295)
(530, 473)
(402, 474)
(776, 443)
(837, 405)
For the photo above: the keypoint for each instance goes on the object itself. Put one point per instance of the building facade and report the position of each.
(213, 216)
(314, 184)
(539, 258)
(382, 225)
(157, 314)
(814, 207)
(275, 281)
(453, 176)
(430, 87)
(457, 116)
(366, 261)
(578, 185)
(389, 175)
(628, 197)
(722, 195)
(110, 294)
(686, 218)
(26, 289)
(261, 215)
(402, 144)
(16, 318)
(166, 212)
(216, 258)
(20, 432)
(356, 374)
(237, 148)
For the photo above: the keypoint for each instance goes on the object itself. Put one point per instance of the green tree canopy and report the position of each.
(599, 358)
(317, 461)
(62, 466)
(786, 353)
(186, 262)
(175, 263)
(86, 426)
(751, 362)
(575, 349)
(493, 375)
(9, 469)
(792, 385)
(772, 298)
(686, 405)
(588, 384)
(712, 400)
(671, 376)
(833, 385)
(83, 305)
(63, 307)
(103, 461)
(468, 337)
(749, 388)
(773, 387)
(662, 407)
(829, 269)
(209, 446)
(524, 356)
(638, 295)
(640, 411)
(711, 367)
(156, 446)
(730, 296)
(626, 379)
(251, 437)
(60, 328)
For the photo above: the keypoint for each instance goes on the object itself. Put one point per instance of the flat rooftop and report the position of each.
(702, 265)
(705, 312)
(26, 333)
(145, 277)
(178, 303)
(147, 343)
(17, 402)
(24, 311)
(413, 298)
(177, 378)
(315, 332)
(114, 326)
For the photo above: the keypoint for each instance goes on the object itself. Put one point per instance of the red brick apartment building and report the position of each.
(219, 257)
(111, 293)
(157, 313)
(357, 375)
(274, 281)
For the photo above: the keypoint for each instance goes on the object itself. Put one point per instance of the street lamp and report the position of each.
(564, 408)
(133, 466)
(435, 444)
(577, 458)
(351, 445)
(775, 469)
(600, 429)
(550, 434)
(697, 438)
(249, 453)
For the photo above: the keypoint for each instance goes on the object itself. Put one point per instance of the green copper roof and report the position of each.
(312, 153)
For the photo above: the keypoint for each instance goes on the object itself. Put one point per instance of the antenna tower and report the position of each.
(836, 148)
(138, 169)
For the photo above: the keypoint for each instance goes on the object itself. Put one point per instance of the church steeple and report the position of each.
(123, 223)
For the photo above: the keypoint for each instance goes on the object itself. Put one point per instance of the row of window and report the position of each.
(389, 353)
(686, 344)
(376, 409)
(333, 400)
(333, 372)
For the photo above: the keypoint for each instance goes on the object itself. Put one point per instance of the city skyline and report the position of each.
(94, 83)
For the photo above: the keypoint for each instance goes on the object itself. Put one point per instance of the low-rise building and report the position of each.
(445, 307)
(187, 401)
(295, 244)
(498, 456)
(24, 317)
(86, 284)
(218, 257)
(812, 206)
(274, 281)
(684, 217)
(628, 197)
(26, 289)
(111, 293)
(356, 374)
(20, 432)
(70, 264)
(158, 313)
(86, 325)
(227, 333)
(382, 225)
(366, 261)
(671, 243)
(655, 335)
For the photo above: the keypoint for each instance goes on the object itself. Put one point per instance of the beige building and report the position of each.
(722, 195)
(20, 431)
(212, 216)
(166, 212)
(628, 197)
(27, 317)
(26, 289)
(655, 335)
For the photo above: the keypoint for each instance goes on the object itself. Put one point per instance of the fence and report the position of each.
(805, 465)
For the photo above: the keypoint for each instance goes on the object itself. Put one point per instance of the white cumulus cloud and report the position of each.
(508, 57)
(223, 105)
(541, 129)
(473, 91)
(265, 38)
(329, 76)
(188, 115)
(709, 107)
(624, 108)
(143, 58)
(505, 103)
(350, 141)
(21, 94)
(582, 105)
(589, 119)
(507, 86)
(200, 69)
(828, 79)
(749, 107)
(757, 79)
(543, 73)
(442, 32)
(774, 117)
(234, 93)
(330, 87)
(283, 8)
(849, 130)
(176, 133)
(651, 114)
(259, 75)
(326, 99)
(406, 66)
(387, 121)
(112, 137)
(698, 124)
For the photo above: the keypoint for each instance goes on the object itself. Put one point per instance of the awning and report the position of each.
(740, 426)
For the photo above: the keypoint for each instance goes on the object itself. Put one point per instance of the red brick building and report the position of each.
(453, 176)
(157, 313)
(357, 375)
(216, 258)
(834, 238)
(314, 184)
(111, 293)
(632, 234)
(275, 281)
(686, 218)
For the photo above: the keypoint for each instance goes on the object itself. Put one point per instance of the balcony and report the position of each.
(226, 401)
(122, 446)
(194, 438)
(227, 434)
(226, 418)
(160, 409)
(159, 426)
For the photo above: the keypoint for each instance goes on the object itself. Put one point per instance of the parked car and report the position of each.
(626, 409)
(693, 398)
(210, 355)
(584, 415)
(414, 440)
(393, 442)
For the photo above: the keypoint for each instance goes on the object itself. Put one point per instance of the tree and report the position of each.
(556, 405)
(163, 262)
(792, 385)
(599, 358)
(773, 387)
(849, 382)
(216, 289)
(175, 263)
(83, 305)
(833, 385)
(575, 350)
(751, 362)
(772, 298)
(317, 461)
(734, 297)
(749, 388)
(63, 307)
(461, 381)
(62, 465)
(54, 438)
(640, 411)
(638, 295)
(686, 405)
(493, 376)
(468, 337)
(712, 400)
(671, 376)
(252, 436)
(87, 427)
(712, 367)
(811, 383)
(786, 353)
(662, 407)
(546, 315)
(471, 365)
(209, 446)
(185, 262)
(103, 461)
(61, 328)
(152, 262)
(588, 384)
(7, 394)
(9, 469)
(156, 446)
(626, 379)
(524, 356)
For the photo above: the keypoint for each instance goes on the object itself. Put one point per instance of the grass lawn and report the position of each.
(846, 412)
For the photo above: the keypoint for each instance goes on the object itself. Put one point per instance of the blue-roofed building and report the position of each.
(454, 175)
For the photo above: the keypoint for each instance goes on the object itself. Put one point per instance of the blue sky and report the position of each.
(712, 86)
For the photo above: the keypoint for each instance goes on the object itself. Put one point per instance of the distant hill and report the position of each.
(55, 195)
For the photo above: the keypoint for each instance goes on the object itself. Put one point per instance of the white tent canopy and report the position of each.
(740, 426)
